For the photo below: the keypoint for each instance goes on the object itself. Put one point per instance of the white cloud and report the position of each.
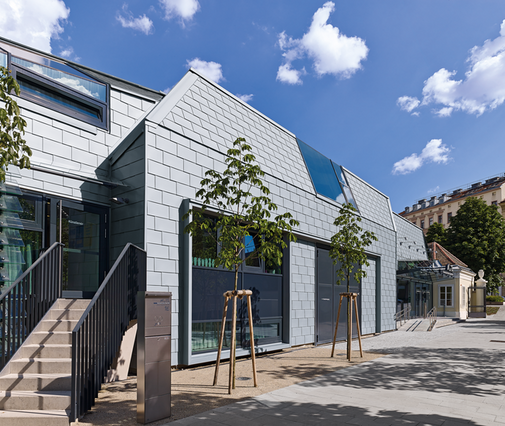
(211, 70)
(331, 51)
(286, 74)
(184, 9)
(245, 98)
(142, 23)
(408, 103)
(434, 152)
(433, 190)
(482, 88)
(67, 53)
(33, 22)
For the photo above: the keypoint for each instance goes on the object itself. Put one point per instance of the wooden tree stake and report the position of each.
(233, 295)
(353, 297)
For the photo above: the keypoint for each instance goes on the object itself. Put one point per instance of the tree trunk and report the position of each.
(234, 331)
(349, 319)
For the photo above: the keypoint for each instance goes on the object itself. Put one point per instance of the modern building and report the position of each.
(114, 162)
(440, 209)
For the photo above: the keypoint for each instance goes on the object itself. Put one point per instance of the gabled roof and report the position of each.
(444, 256)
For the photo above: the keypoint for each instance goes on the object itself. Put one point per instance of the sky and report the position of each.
(408, 95)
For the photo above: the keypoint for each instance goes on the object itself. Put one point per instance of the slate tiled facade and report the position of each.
(155, 152)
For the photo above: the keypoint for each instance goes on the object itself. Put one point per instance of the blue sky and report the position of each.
(409, 95)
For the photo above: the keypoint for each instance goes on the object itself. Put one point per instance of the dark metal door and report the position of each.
(328, 299)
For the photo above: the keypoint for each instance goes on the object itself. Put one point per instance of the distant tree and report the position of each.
(245, 227)
(13, 148)
(348, 247)
(477, 236)
(437, 233)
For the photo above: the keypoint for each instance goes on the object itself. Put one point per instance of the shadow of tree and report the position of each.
(461, 371)
(296, 414)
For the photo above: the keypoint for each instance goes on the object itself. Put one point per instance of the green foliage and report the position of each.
(477, 236)
(437, 233)
(497, 299)
(348, 245)
(245, 209)
(13, 148)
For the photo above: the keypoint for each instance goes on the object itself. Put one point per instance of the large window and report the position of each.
(263, 277)
(57, 86)
(446, 296)
(328, 178)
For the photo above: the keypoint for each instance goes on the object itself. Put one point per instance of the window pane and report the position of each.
(90, 88)
(205, 246)
(251, 243)
(42, 92)
(266, 298)
(321, 172)
(3, 60)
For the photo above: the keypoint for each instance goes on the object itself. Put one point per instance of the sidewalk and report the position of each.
(451, 376)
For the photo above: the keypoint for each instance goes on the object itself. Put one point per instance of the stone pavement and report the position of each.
(451, 376)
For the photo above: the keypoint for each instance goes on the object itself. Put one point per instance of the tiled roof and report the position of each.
(445, 257)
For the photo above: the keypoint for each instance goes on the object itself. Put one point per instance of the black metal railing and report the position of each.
(97, 336)
(27, 300)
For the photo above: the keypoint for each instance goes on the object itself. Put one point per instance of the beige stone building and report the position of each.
(443, 207)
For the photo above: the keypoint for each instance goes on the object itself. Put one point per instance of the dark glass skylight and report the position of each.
(327, 177)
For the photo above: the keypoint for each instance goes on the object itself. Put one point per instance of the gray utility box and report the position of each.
(153, 356)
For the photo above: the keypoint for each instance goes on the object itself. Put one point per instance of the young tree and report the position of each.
(477, 236)
(437, 233)
(13, 148)
(245, 211)
(348, 247)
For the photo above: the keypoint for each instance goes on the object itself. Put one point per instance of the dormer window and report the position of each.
(57, 86)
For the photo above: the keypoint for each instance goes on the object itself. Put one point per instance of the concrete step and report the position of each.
(72, 303)
(46, 351)
(66, 314)
(34, 418)
(41, 366)
(24, 400)
(35, 382)
(56, 325)
(51, 338)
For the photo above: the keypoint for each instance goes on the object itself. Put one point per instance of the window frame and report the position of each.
(446, 286)
(103, 108)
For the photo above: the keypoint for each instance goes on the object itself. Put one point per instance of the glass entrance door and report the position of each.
(82, 229)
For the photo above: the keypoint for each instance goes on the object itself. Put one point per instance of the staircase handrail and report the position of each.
(32, 294)
(98, 333)
(432, 317)
(403, 315)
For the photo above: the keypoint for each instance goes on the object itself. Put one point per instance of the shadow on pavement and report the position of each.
(286, 414)
(461, 371)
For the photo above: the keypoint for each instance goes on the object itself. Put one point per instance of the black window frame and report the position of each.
(102, 121)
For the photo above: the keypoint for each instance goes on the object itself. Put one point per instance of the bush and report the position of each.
(497, 299)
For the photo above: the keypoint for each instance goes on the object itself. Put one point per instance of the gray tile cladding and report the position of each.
(411, 244)
(194, 137)
(63, 143)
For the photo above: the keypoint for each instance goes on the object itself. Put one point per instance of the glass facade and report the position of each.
(328, 178)
(262, 277)
(20, 235)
